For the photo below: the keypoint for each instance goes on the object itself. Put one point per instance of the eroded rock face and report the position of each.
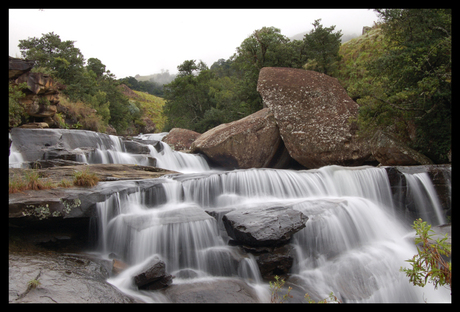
(312, 111)
(251, 142)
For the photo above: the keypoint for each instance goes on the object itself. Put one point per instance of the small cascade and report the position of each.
(173, 160)
(15, 159)
(422, 196)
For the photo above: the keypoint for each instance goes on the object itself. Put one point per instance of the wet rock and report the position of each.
(63, 278)
(152, 275)
(272, 226)
(222, 290)
(277, 262)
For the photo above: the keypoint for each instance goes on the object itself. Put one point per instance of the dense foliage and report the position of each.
(201, 98)
(92, 96)
(407, 88)
(399, 73)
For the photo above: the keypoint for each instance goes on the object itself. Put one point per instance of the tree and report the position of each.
(322, 48)
(187, 97)
(411, 82)
(62, 57)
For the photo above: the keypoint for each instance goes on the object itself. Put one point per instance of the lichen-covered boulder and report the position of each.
(313, 112)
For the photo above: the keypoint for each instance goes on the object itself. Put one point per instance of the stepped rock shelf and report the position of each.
(194, 223)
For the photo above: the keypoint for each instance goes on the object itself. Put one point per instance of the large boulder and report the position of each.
(180, 139)
(251, 142)
(313, 112)
(389, 151)
(259, 227)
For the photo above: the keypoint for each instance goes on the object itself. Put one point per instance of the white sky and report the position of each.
(145, 41)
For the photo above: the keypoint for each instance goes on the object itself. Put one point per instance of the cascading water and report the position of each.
(172, 160)
(352, 244)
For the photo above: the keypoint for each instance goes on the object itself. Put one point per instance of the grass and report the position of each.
(85, 178)
(32, 181)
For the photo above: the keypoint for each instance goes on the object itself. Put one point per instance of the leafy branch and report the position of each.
(429, 265)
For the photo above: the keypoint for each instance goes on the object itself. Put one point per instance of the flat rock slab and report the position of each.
(63, 278)
(222, 290)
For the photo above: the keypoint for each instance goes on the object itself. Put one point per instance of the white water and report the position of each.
(15, 159)
(172, 160)
(352, 244)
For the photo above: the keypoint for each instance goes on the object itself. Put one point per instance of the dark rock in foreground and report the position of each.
(271, 226)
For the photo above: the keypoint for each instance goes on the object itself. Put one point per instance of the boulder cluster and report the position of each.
(307, 121)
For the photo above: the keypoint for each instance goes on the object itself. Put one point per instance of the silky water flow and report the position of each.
(353, 244)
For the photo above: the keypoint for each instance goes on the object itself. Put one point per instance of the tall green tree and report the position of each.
(410, 94)
(321, 48)
(187, 96)
(48, 51)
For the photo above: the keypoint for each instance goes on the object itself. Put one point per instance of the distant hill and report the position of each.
(153, 119)
(355, 53)
(345, 37)
(160, 78)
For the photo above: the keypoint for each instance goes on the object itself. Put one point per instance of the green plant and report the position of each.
(275, 287)
(428, 265)
(33, 284)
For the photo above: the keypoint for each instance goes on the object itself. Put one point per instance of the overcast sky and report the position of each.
(146, 41)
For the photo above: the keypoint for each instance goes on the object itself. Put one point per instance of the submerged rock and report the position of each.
(222, 290)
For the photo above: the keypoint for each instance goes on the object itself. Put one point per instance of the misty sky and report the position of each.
(146, 41)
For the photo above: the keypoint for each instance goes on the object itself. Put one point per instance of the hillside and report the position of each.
(153, 119)
(355, 53)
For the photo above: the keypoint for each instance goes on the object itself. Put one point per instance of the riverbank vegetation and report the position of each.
(399, 72)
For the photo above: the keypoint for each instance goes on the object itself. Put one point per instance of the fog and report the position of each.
(142, 42)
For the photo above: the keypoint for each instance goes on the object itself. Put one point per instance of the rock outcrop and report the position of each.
(42, 92)
(313, 113)
(390, 152)
(251, 142)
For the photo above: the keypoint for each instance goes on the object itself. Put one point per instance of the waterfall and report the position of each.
(425, 200)
(353, 245)
(173, 160)
(15, 160)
